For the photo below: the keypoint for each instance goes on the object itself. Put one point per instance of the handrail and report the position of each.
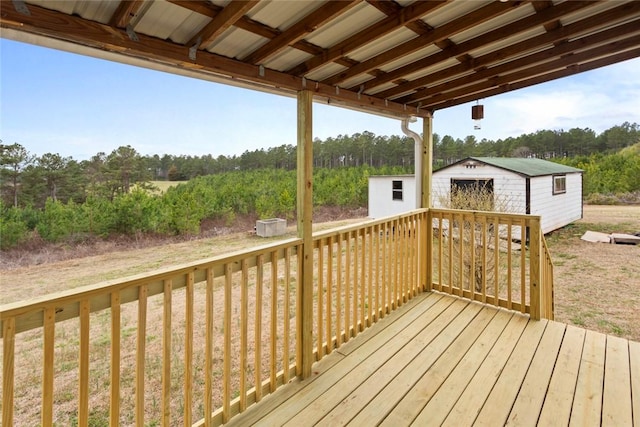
(190, 337)
(492, 257)
(205, 340)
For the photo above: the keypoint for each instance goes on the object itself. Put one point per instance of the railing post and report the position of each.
(304, 327)
(426, 269)
(535, 285)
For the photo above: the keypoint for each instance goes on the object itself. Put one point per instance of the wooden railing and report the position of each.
(496, 258)
(201, 341)
(204, 341)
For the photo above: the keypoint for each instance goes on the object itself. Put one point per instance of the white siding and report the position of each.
(509, 188)
(557, 210)
(381, 201)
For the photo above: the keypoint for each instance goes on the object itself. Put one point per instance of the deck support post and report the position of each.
(304, 318)
(536, 288)
(426, 175)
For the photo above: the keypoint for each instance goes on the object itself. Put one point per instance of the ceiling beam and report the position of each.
(92, 34)
(521, 25)
(125, 12)
(250, 25)
(543, 78)
(377, 30)
(437, 35)
(325, 13)
(568, 61)
(532, 61)
(223, 21)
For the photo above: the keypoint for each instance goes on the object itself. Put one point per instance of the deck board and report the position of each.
(441, 360)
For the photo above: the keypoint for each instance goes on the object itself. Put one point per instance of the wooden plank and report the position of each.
(616, 399)
(462, 395)
(209, 340)
(498, 404)
(397, 352)
(386, 329)
(273, 349)
(320, 303)
(83, 362)
(414, 309)
(559, 399)
(339, 291)
(114, 389)
(48, 366)
(8, 353)
(587, 401)
(166, 354)
(370, 290)
(329, 298)
(286, 327)
(244, 335)
(226, 355)
(304, 326)
(360, 364)
(378, 393)
(258, 327)
(347, 289)
(535, 287)
(527, 406)
(188, 350)
(634, 367)
(422, 382)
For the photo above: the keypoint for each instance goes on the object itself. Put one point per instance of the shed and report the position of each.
(391, 195)
(519, 185)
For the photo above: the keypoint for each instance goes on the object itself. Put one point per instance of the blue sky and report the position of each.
(57, 102)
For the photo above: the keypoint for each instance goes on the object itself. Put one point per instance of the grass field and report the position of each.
(596, 287)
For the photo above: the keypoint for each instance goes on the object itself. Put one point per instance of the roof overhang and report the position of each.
(385, 57)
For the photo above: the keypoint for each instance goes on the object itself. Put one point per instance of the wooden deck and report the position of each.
(445, 361)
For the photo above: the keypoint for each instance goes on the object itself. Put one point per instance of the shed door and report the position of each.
(472, 194)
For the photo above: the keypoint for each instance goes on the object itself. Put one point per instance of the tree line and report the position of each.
(58, 198)
(29, 180)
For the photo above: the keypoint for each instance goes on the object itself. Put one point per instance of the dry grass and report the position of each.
(597, 285)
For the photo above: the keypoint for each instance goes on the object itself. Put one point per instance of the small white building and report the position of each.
(527, 186)
(391, 195)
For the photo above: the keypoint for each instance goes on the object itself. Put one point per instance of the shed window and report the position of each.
(559, 184)
(397, 190)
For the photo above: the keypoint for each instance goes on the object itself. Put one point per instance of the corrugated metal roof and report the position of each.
(383, 57)
(523, 166)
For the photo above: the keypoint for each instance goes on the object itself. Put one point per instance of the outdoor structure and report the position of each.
(515, 185)
(391, 195)
(518, 185)
(247, 323)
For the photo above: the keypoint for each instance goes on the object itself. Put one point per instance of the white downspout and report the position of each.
(418, 156)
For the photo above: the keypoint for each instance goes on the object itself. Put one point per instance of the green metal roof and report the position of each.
(527, 167)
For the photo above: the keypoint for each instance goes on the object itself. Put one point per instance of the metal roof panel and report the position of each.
(162, 19)
(349, 23)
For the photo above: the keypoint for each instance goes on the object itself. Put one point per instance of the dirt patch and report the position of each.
(597, 285)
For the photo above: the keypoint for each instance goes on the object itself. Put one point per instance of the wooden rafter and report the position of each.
(438, 34)
(300, 29)
(222, 21)
(377, 30)
(553, 57)
(126, 10)
(557, 52)
(513, 28)
(547, 39)
(71, 28)
(609, 50)
(542, 78)
(250, 25)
